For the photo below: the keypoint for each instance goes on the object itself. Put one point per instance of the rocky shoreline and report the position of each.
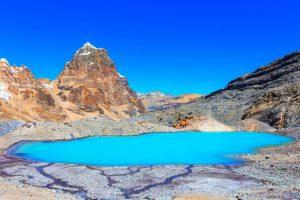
(272, 173)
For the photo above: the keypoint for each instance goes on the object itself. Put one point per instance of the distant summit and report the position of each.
(88, 45)
(156, 100)
(91, 82)
(86, 49)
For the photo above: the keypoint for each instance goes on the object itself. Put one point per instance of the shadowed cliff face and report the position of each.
(270, 95)
(279, 72)
(279, 107)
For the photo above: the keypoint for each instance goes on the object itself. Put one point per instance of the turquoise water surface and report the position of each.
(150, 149)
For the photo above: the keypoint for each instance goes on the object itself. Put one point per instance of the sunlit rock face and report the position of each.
(91, 82)
(88, 86)
(23, 97)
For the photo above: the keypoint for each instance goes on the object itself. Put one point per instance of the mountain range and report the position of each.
(90, 85)
(262, 100)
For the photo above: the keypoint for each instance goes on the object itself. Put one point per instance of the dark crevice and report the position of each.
(129, 192)
(72, 189)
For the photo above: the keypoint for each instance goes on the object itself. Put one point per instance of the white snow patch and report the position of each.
(13, 70)
(16, 70)
(3, 60)
(121, 76)
(48, 86)
(140, 94)
(157, 93)
(23, 67)
(4, 94)
(85, 53)
(86, 48)
(88, 45)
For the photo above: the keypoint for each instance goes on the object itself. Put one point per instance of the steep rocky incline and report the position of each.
(23, 97)
(91, 83)
(88, 86)
(268, 95)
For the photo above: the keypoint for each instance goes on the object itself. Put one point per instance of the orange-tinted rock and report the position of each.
(23, 97)
(91, 82)
(88, 86)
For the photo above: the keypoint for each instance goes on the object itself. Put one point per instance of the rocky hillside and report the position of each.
(23, 97)
(88, 86)
(268, 95)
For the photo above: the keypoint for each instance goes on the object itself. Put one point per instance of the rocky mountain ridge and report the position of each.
(89, 85)
(270, 95)
(23, 97)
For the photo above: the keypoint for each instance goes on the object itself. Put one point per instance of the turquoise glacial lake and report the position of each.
(199, 148)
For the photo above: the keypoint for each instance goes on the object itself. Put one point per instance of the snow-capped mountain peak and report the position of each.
(88, 45)
(3, 60)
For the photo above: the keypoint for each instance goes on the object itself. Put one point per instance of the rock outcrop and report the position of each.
(271, 94)
(91, 83)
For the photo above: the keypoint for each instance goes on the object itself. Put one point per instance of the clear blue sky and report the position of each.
(173, 46)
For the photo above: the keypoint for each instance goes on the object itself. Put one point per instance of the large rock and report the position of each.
(90, 81)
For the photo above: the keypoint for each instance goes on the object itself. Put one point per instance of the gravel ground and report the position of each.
(9, 126)
(272, 173)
